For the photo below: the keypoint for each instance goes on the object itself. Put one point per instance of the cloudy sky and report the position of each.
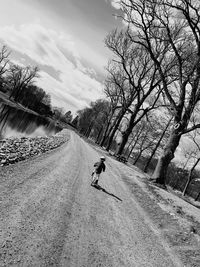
(65, 38)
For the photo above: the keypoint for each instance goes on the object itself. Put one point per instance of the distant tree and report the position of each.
(146, 139)
(113, 116)
(100, 111)
(68, 116)
(121, 95)
(92, 119)
(20, 78)
(189, 154)
(58, 113)
(75, 121)
(37, 99)
(4, 60)
(134, 137)
(196, 159)
(84, 120)
(47, 99)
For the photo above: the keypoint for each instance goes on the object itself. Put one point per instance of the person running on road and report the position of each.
(99, 167)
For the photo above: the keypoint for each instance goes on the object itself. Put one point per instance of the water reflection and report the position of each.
(15, 122)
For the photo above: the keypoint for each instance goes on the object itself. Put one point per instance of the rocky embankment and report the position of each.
(17, 149)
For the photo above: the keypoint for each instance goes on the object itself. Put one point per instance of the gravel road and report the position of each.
(51, 216)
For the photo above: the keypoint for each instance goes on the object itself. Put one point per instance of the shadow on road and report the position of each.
(98, 187)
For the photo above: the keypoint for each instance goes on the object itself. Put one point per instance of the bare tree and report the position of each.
(84, 120)
(134, 138)
(68, 116)
(4, 60)
(169, 30)
(4, 55)
(122, 71)
(118, 92)
(147, 139)
(189, 155)
(189, 178)
(196, 157)
(138, 76)
(19, 78)
(162, 130)
(100, 111)
(93, 118)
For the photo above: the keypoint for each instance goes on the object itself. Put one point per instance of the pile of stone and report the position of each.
(16, 149)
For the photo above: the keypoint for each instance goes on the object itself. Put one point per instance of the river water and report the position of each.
(14, 122)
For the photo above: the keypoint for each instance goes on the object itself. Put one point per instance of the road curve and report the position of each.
(51, 216)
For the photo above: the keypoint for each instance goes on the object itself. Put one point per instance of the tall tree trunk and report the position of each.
(90, 127)
(131, 142)
(137, 158)
(4, 119)
(189, 178)
(156, 147)
(85, 132)
(132, 147)
(135, 142)
(175, 185)
(141, 149)
(130, 151)
(197, 197)
(105, 134)
(126, 134)
(167, 155)
(184, 166)
(3, 113)
(99, 133)
(17, 95)
(127, 149)
(119, 119)
(89, 131)
(107, 129)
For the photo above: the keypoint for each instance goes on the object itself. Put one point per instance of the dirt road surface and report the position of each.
(52, 216)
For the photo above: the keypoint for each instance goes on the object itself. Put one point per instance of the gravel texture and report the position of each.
(52, 216)
(13, 150)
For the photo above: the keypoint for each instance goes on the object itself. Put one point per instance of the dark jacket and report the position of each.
(99, 167)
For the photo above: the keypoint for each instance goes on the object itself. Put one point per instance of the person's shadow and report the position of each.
(98, 187)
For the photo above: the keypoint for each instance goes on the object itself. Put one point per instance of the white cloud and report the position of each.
(116, 4)
(17, 62)
(60, 95)
(77, 85)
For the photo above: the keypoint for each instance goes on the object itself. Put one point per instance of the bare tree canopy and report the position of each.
(4, 60)
(134, 77)
(20, 77)
(169, 30)
(92, 119)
